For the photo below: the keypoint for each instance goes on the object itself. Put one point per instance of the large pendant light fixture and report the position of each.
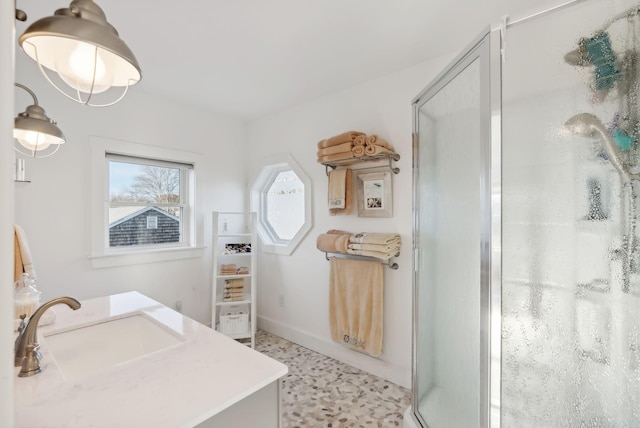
(84, 50)
(38, 135)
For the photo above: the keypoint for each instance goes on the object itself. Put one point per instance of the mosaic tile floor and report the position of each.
(319, 391)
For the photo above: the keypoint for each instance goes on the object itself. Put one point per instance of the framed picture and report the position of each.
(374, 193)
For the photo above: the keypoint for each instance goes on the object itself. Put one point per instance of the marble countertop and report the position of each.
(179, 386)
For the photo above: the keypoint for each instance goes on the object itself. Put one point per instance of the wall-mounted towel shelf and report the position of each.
(392, 265)
(351, 161)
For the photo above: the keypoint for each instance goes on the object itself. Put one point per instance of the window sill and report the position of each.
(146, 256)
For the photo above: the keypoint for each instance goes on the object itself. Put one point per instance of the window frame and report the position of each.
(104, 256)
(271, 242)
(186, 178)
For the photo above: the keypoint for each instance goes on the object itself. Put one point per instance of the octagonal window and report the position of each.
(285, 205)
(281, 197)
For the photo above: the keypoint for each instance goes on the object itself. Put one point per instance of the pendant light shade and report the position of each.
(83, 49)
(35, 131)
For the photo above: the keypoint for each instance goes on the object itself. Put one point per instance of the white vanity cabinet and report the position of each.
(204, 379)
(234, 263)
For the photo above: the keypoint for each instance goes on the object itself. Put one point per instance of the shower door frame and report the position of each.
(486, 48)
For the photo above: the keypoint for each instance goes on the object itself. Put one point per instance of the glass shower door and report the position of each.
(571, 277)
(451, 282)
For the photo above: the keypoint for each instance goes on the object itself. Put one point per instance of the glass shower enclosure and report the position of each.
(527, 267)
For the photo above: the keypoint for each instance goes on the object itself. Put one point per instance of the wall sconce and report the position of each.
(84, 50)
(35, 132)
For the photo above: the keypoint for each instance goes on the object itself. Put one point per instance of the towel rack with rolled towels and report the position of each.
(379, 247)
(392, 265)
(353, 147)
(390, 157)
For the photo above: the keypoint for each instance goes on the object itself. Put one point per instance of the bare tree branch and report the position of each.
(152, 185)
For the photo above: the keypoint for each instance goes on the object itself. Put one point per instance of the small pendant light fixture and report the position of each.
(84, 50)
(35, 132)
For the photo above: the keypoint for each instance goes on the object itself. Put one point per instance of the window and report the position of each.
(281, 196)
(152, 222)
(284, 205)
(145, 193)
(143, 204)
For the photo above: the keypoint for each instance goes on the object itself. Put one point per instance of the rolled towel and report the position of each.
(332, 242)
(345, 137)
(375, 238)
(338, 232)
(358, 151)
(374, 140)
(233, 299)
(376, 150)
(360, 140)
(336, 156)
(344, 147)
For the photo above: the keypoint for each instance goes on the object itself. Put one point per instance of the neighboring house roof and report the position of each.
(119, 215)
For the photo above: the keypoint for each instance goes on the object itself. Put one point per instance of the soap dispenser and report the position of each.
(26, 298)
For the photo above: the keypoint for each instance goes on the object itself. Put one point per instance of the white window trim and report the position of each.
(102, 256)
(270, 169)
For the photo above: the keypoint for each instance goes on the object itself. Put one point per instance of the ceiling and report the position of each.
(250, 58)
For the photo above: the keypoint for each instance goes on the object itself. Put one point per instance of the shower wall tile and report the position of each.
(593, 259)
(544, 141)
(538, 253)
(538, 195)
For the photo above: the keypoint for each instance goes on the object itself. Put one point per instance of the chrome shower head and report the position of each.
(584, 124)
(588, 125)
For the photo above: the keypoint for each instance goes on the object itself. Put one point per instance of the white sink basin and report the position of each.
(91, 348)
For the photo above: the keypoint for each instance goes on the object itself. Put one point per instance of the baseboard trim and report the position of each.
(375, 366)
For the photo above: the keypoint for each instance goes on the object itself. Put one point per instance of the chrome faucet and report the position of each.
(27, 349)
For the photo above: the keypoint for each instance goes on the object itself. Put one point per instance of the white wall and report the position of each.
(381, 107)
(54, 209)
(7, 34)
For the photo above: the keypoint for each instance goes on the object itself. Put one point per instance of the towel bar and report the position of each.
(351, 161)
(391, 265)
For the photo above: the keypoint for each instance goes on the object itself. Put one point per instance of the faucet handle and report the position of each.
(22, 323)
(16, 346)
(31, 361)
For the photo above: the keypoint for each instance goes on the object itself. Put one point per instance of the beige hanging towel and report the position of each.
(337, 189)
(22, 254)
(356, 293)
(18, 268)
(348, 197)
